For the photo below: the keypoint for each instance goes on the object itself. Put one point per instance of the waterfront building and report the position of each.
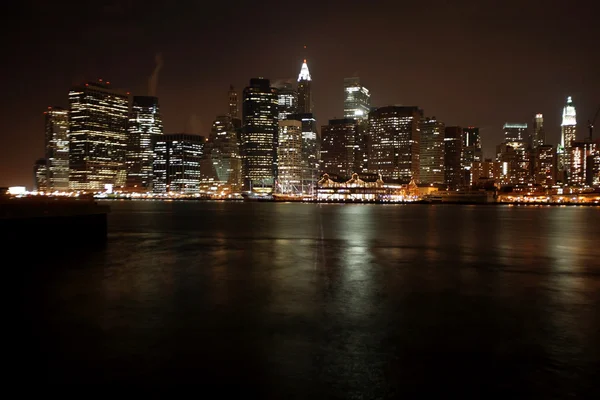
(144, 123)
(289, 157)
(177, 161)
(453, 157)
(260, 135)
(98, 117)
(394, 139)
(338, 147)
(431, 162)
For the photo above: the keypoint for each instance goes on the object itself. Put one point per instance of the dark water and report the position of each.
(326, 301)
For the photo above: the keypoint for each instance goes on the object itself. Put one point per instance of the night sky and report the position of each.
(476, 63)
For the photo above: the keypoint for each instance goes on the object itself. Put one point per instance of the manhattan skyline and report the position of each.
(464, 63)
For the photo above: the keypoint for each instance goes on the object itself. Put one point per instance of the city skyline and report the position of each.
(461, 94)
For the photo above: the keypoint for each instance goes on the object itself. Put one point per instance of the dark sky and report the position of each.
(467, 62)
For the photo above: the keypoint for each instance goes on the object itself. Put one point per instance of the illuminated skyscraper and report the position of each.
(394, 136)
(177, 160)
(514, 151)
(544, 165)
(304, 90)
(338, 147)
(98, 118)
(566, 164)
(260, 136)
(289, 157)
(144, 123)
(225, 153)
(57, 149)
(471, 151)
(432, 151)
(310, 149)
(357, 99)
(233, 102)
(287, 99)
(538, 134)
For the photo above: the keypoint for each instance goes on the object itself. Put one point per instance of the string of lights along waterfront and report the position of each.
(110, 141)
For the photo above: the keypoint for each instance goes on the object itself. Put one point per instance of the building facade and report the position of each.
(287, 99)
(394, 136)
(57, 149)
(144, 123)
(544, 165)
(538, 135)
(289, 157)
(568, 136)
(98, 117)
(177, 159)
(338, 147)
(260, 136)
(432, 151)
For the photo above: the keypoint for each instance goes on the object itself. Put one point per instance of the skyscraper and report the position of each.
(515, 132)
(394, 142)
(98, 118)
(471, 151)
(338, 147)
(233, 102)
(453, 156)
(224, 152)
(289, 157)
(304, 90)
(144, 123)
(514, 151)
(357, 99)
(432, 151)
(538, 134)
(260, 136)
(40, 175)
(177, 159)
(287, 99)
(566, 165)
(57, 149)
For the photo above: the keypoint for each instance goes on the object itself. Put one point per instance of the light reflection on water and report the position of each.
(348, 300)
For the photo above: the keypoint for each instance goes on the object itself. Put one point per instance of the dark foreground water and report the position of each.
(324, 301)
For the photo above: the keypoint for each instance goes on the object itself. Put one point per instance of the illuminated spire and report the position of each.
(569, 116)
(304, 74)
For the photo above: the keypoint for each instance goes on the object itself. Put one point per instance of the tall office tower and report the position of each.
(577, 155)
(40, 175)
(310, 149)
(517, 156)
(394, 142)
(225, 152)
(260, 136)
(338, 147)
(57, 149)
(357, 99)
(593, 165)
(453, 156)
(144, 123)
(432, 151)
(289, 157)
(304, 90)
(98, 118)
(471, 151)
(544, 165)
(233, 102)
(538, 135)
(177, 159)
(568, 135)
(287, 99)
